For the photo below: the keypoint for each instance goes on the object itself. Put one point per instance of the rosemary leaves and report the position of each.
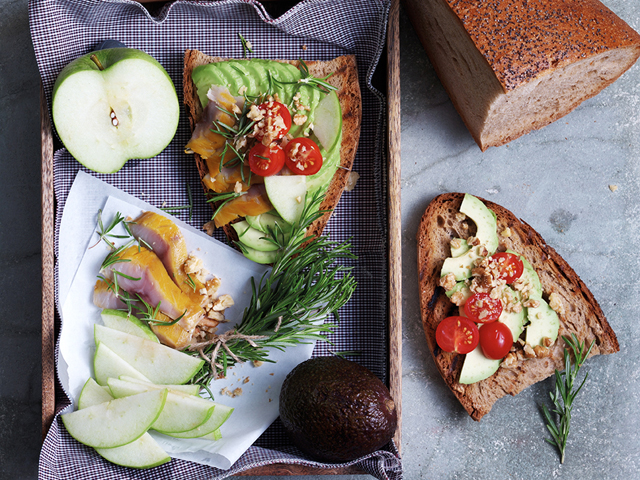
(564, 393)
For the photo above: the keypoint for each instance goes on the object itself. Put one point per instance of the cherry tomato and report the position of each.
(303, 156)
(273, 126)
(495, 340)
(457, 334)
(481, 308)
(266, 161)
(510, 266)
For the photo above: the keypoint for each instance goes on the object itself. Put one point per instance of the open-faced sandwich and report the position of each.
(267, 136)
(496, 301)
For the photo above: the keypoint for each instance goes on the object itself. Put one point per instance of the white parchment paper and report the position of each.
(78, 266)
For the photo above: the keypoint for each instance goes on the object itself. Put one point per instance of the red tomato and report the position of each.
(303, 156)
(266, 161)
(510, 266)
(457, 334)
(495, 340)
(481, 308)
(273, 126)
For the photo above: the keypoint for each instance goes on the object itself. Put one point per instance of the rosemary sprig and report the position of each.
(180, 207)
(288, 305)
(189, 281)
(564, 393)
(114, 256)
(246, 45)
(307, 79)
(105, 233)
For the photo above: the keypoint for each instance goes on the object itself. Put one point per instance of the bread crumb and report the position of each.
(613, 188)
(304, 47)
(506, 232)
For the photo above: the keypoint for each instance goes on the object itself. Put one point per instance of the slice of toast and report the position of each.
(344, 78)
(582, 315)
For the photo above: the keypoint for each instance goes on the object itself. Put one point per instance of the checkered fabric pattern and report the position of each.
(65, 29)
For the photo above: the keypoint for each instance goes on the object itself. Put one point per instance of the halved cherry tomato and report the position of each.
(266, 161)
(510, 266)
(495, 340)
(457, 334)
(276, 128)
(303, 156)
(481, 308)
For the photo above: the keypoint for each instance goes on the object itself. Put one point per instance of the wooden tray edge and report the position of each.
(395, 270)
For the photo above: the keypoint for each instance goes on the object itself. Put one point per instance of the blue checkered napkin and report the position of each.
(65, 29)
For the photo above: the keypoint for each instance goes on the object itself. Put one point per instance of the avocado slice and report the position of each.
(258, 256)
(514, 320)
(461, 266)
(477, 367)
(485, 220)
(461, 250)
(544, 323)
(530, 276)
(253, 238)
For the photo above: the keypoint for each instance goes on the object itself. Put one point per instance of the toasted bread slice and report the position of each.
(582, 315)
(344, 78)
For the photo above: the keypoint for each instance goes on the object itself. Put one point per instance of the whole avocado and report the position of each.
(336, 410)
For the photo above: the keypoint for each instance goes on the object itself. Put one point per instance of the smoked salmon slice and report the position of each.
(254, 202)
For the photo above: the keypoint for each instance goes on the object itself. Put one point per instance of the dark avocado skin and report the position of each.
(336, 410)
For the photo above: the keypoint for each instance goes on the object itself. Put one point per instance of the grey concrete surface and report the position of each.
(556, 179)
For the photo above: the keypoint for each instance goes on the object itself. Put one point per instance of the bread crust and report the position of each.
(344, 78)
(524, 39)
(583, 316)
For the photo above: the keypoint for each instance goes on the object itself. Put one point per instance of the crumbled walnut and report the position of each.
(528, 351)
(509, 361)
(473, 241)
(237, 188)
(506, 232)
(217, 316)
(547, 342)
(458, 299)
(299, 119)
(209, 227)
(246, 380)
(258, 363)
(351, 181)
(459, 388)
(460, 216)
(555, 302)
(541, 352)
(456, 243)
(242, 89)
(212, 286)
(531, 304)
(448, 281)
(223, 302)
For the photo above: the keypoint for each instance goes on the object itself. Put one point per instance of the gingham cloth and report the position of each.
(65, 29)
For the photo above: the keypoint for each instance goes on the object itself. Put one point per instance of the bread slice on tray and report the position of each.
(580, 313)
(513, 66)
(344, 76)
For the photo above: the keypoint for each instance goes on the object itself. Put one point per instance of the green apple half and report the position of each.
(113, 105)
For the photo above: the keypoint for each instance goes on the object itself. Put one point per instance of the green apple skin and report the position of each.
(132, 85)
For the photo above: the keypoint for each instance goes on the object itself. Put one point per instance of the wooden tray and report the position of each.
(395, 270)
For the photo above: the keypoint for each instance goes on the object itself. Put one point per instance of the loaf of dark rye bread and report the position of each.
(512, 66)
(582, 315)
(344, 78)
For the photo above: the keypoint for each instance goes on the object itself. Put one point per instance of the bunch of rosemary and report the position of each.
(288, 304)
(564, 393)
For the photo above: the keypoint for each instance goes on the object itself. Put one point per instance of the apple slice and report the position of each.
(117, 422)
(215, 435)
(188, 389)
(141, 453)
(93, 394)
(106, 364)
(287, 195)
(160, 364)
(181, 412)
(113, 105)
(124, 322)
(327, 121)
(220, 415)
